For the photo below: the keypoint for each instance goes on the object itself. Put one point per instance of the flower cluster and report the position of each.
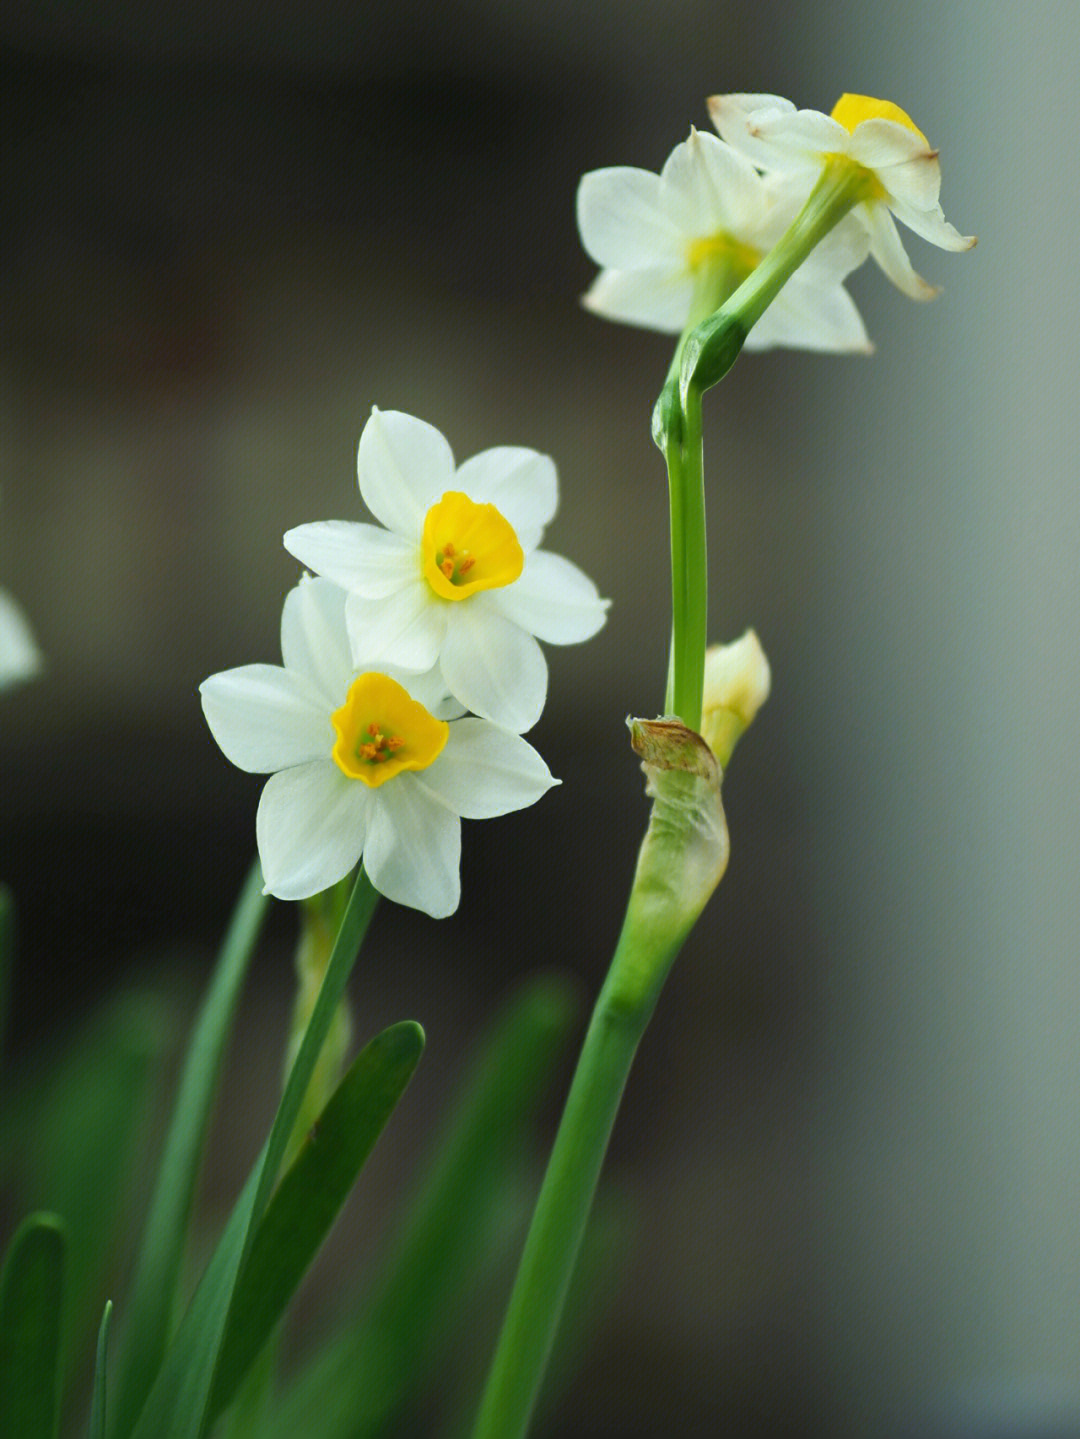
(673, 246)
(363, 727)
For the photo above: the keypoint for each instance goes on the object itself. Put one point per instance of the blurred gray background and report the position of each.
(853, 1132)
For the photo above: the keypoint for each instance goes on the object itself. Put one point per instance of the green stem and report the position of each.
(623, 1009)
(690, 571)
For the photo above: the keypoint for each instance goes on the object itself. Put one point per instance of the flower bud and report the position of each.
(736, 686)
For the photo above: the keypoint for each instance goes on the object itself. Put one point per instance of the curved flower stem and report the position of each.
(622, 1012)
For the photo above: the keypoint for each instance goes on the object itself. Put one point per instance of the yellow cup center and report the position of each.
(381, 730)
(852, 110)
(468, 547)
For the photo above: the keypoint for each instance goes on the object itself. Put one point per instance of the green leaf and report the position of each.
(177, 1403)
(31, 1308)
(97, 1402)
(308, 1198)
(72, 1127)
(149, 1310)
(359, 1384)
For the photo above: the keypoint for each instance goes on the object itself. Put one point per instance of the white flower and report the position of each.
(676, 244)
(901, 169)
(362, 763)
(20, 657)
(456, 576)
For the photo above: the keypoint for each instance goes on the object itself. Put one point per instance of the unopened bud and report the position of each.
(736, 686)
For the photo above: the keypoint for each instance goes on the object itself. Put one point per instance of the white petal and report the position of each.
(484, 771)
(708, 187)
(405, 630)
(553, 600)
(772, 134)
(413, 852)
(310, 828)
(493, 667)
(879, 143)
(654, 299)
(361, 558)
(806, 317)
(521, 483)
(404, 466)
(622, 220)
(314, 642)
(731, 113)
(933, 226)
(266, 718)
(843, 249)
(889, 252)
(19, 655)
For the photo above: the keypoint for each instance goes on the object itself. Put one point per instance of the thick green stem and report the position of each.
(619, 1019)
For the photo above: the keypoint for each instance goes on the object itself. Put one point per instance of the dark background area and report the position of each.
(851, 1139)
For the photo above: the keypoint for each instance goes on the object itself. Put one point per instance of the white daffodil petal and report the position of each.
(413, 850)
(843, 249)
(493, 667)
(486, 771)
(522, 484)
(804, 317)
(877, 143)
(731, 113)
(932, 225)
(314, 641)
(266, 718)
(553, 600)
(361, 558)
(310, 828)
(709, 187)
(406, 630)
(404, 465)
(799, 140)
(20, 657)
(654, 299)
(622, 220)
(889, 252)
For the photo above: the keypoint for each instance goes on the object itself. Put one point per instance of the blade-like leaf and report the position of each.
(149, 1311)
(31, 1306)
(357, 1385)
(177, 1402)
(97, 1401)
(308, 1198)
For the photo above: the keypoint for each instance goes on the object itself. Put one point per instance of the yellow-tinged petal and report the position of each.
(468, 547)
(382, 730)
(852, 110)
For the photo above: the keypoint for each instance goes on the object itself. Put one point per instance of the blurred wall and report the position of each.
(854, 1126)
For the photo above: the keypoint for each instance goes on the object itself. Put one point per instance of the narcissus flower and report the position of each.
(20, 657)
(456, 577)
(862, 136)
(363, 762)
(675, 245)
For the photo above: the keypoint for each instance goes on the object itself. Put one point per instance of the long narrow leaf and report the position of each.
(358, 1385)
(308, 1198)
(177, 1403)
(149, 1312)
(98, 1412)
(31, 1306)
